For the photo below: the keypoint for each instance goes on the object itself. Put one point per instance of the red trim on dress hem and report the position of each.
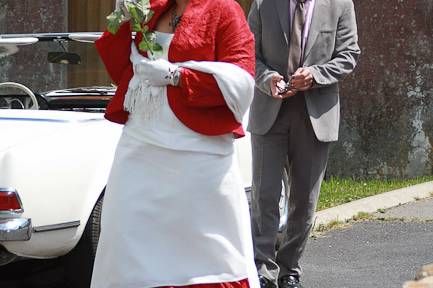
(236, 284)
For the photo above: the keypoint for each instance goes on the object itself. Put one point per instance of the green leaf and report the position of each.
(143, 10)
(132, 9)
(143, 45)
(135, 25)
(156, 48)
(114, 21)
(150, 36)
(149, 15)
(135, 12)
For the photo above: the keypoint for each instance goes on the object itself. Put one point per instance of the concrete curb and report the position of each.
(373, 203)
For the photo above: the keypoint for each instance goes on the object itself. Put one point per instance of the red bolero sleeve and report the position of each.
(234, 44)
(114, 51)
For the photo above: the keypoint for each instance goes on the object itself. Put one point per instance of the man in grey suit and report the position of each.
(303, 48)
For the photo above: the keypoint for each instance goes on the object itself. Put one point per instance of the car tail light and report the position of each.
(9, 200)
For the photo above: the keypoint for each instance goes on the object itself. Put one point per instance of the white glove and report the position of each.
(158, 72)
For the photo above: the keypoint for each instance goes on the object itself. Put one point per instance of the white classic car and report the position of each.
(56, 152)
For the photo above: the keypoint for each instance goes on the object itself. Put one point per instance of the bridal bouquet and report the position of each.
(139, 15)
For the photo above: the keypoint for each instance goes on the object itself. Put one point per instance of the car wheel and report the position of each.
(79, 262)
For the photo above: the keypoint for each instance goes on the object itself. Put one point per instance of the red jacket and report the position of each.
(210, 30)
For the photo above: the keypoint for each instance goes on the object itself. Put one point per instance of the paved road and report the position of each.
(380, 253)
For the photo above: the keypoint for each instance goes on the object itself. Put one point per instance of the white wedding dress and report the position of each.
(175, 212)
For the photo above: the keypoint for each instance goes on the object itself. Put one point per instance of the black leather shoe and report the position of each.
(289, 281)
(265, 282)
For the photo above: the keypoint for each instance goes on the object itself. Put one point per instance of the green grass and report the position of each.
(336, 191)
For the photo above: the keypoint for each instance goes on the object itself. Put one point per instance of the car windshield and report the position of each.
(29, 65)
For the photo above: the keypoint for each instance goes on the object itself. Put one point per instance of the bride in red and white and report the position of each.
(175, 212)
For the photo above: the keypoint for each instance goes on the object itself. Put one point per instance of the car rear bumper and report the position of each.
(15, 229)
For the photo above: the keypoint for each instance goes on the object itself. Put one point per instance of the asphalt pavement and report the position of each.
(384, 251)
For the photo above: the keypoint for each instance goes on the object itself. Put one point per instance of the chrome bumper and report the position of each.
(15, 229)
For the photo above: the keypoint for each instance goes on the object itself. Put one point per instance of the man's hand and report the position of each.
(277, 86)
(302, 79)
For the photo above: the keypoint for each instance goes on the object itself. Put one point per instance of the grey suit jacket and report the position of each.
(331, 53)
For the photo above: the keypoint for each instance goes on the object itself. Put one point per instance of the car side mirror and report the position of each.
(63, 58)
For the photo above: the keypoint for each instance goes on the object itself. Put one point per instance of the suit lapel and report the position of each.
(316, 24)
(283, 13)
